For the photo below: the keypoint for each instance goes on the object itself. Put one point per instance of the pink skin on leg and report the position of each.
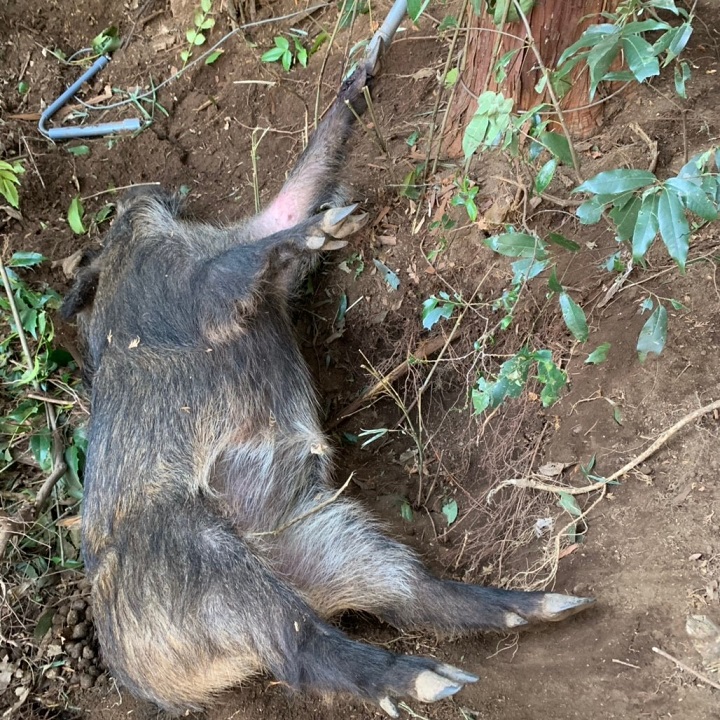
(284, 212)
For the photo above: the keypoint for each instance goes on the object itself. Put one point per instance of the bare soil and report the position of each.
(650, 554)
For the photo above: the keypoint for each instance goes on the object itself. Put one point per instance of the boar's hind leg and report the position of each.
(339, 559)
(201, 612)
(314, 181)
(279, 260)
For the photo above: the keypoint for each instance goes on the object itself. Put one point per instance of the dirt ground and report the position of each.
(651, 554)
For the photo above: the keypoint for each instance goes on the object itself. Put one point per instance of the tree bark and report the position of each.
(555, 25)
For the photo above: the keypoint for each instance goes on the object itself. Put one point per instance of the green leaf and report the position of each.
(23, 88)
(679, 41)
(25, 259)
(433, 310)
(599, 354)
(190, 35)
(516, 245)
(185, 55)
(450, 511)
(563, 242)
(551, 376)
(41, 448)
(646, 227)
(489, 123)
(640, 57)
(104, 213)
(545, 175)
(302, 56)
(590, 212)
(199, 39)
(286, 60)
(625, 216)
(527, 269)
(693, 197)
(558, 145)
(594, 35)
(9, 191)
(506, 9)
(207, 24)
(653, 334)
(674, 228)
(682, 75)
(415, 8)
(388, 275)
(574, 317)
(451, 78)
(206, 5)
(568, 503)
(554, 284)
(599, 60)
(78, 150)
(43, 624)
(272, 55)
(665, 5)
(406, 511)
(617, 182)
(75, 216)
(107, 41)
(213, 56)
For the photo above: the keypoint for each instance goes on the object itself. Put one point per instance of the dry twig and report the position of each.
(424, 350)
(687, 668)
(304, 516)
(531, 484)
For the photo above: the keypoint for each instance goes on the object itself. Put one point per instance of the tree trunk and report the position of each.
(555, 25)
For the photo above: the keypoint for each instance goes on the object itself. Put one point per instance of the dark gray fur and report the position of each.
(204, 439)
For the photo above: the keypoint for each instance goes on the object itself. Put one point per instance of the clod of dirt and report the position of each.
(705, 637)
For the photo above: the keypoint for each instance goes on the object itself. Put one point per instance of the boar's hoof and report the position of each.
(428, 682)
(554, 606)
(336, 223)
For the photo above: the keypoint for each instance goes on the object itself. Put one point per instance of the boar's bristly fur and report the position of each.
(207, 535)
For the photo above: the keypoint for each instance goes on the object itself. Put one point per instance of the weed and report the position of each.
(23, 425)
(465, 197)
(195, 35)
(285, 53)
(10, 180)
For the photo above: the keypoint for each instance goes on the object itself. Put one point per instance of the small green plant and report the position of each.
(10, 181)
(285, 53)
(75, 215)
(354, 264)
(195, 35)
(23, 424)
(643, 207)
(410, 186)
(436, 308)
(465, 197)
(106, 42)
(513, 376)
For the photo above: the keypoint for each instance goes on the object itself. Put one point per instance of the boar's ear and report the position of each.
(82, 293)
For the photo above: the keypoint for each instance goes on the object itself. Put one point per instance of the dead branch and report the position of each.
(424, 350)
(687, 668)
(531, 484)
(304, 516)
(652, 145)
